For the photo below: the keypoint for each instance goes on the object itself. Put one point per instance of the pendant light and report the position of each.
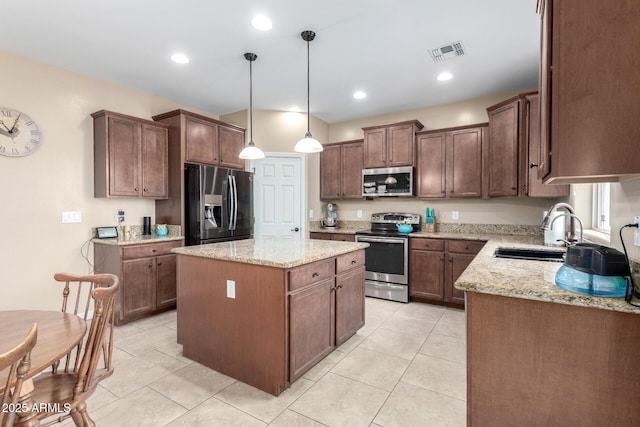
(308, 144)
(251, 152)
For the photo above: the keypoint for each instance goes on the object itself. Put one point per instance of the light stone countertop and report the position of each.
(273, 252)
(152, 238)
(534, 280)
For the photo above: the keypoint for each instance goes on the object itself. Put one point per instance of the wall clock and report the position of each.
(19, 135)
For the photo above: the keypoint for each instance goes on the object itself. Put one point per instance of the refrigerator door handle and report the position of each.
(234, 203)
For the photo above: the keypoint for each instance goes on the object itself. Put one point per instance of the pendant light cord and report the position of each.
(251, 100)
(308, 91)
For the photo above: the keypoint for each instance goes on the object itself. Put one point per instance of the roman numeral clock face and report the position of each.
(19, 135)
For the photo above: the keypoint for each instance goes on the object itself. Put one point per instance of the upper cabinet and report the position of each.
(130, 156)
(390, 145)
(589, 82)
(449, 162)
(341, 167)
(512, 157)
(206, 141)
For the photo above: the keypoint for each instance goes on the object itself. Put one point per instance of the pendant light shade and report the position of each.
(251, 152)
(308, 144)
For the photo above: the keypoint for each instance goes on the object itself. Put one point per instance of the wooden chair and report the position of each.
(75, 377)
(18, 361)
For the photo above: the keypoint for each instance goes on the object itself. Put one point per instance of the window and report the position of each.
(601, 203)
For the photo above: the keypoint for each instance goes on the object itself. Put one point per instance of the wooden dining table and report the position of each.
(58, 333)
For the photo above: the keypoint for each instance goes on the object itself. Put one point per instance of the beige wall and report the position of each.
(58, 177)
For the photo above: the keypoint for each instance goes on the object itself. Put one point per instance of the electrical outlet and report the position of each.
(71, 217)
(359, 213)
(636, 240)
(231, 289)
(454, 214)
(310, 213)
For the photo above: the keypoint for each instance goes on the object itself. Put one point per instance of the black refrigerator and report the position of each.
(218, 204)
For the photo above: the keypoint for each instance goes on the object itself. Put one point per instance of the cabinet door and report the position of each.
(349, 304)
(400, 140)
(426, 278)
(230, 143)
(330, 172)
(155, 162)
(502, 160)
(430, 162)
(201, 141)
(352, 163)
(124, 157)
(311, 326)
(320, 236)
(457, 264)
(166, 280)
(137, 287)
(375, 148)
(544, 84)
(464, 163)
(535, 187)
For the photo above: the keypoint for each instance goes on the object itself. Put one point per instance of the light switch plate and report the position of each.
(71, 217)
(231, 289)
(310, 213)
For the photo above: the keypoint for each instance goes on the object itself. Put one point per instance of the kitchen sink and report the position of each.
(531, 254)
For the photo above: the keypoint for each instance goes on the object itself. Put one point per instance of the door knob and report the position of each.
(295, 229)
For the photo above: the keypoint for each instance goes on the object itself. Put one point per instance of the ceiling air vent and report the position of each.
(451, 50)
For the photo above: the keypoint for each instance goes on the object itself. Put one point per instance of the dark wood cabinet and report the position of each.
(514, 149)
(130, 156)
(147, 273)
(342, 237)
(341, 167)
(435, 265)
(390, 145)
(589, 83)
(449, 162)
(326, 307)
(195, 139)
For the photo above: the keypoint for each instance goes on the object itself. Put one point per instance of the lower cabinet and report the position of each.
(326, 307)
(343, 237)
(147, 274)
(435, 265)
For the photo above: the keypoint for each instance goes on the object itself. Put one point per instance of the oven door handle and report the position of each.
(380, 240)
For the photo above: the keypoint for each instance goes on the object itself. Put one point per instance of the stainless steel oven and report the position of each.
(387, 257)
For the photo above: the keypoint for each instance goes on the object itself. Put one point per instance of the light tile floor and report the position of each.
(405, 367)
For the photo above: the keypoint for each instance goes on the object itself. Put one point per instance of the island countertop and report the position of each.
(273, 252)
(527, 279)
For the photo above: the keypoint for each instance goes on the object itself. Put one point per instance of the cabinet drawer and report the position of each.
(149, 249)
(349, 261)
(465, 246)
(321, 270)
(426, 244)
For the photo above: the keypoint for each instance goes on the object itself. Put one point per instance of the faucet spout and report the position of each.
(572, 225)
(573, 216)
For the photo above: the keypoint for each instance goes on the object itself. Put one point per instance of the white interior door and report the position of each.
(278, 198)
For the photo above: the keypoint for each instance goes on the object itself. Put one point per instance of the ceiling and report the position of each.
(377, 46)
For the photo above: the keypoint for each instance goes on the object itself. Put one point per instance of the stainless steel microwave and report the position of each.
(388, 182)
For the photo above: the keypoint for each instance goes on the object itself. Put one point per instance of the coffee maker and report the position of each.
(331, 221)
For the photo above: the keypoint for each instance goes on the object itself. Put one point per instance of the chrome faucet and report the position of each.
(568, 241)
(572, 213)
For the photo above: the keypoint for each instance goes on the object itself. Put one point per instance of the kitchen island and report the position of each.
(265, 311)
(539, 355)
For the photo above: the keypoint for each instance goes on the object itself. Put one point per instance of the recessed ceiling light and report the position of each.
(294, 109)
(445, 76)
(180, 58)
(262, 23)
(359, 95)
